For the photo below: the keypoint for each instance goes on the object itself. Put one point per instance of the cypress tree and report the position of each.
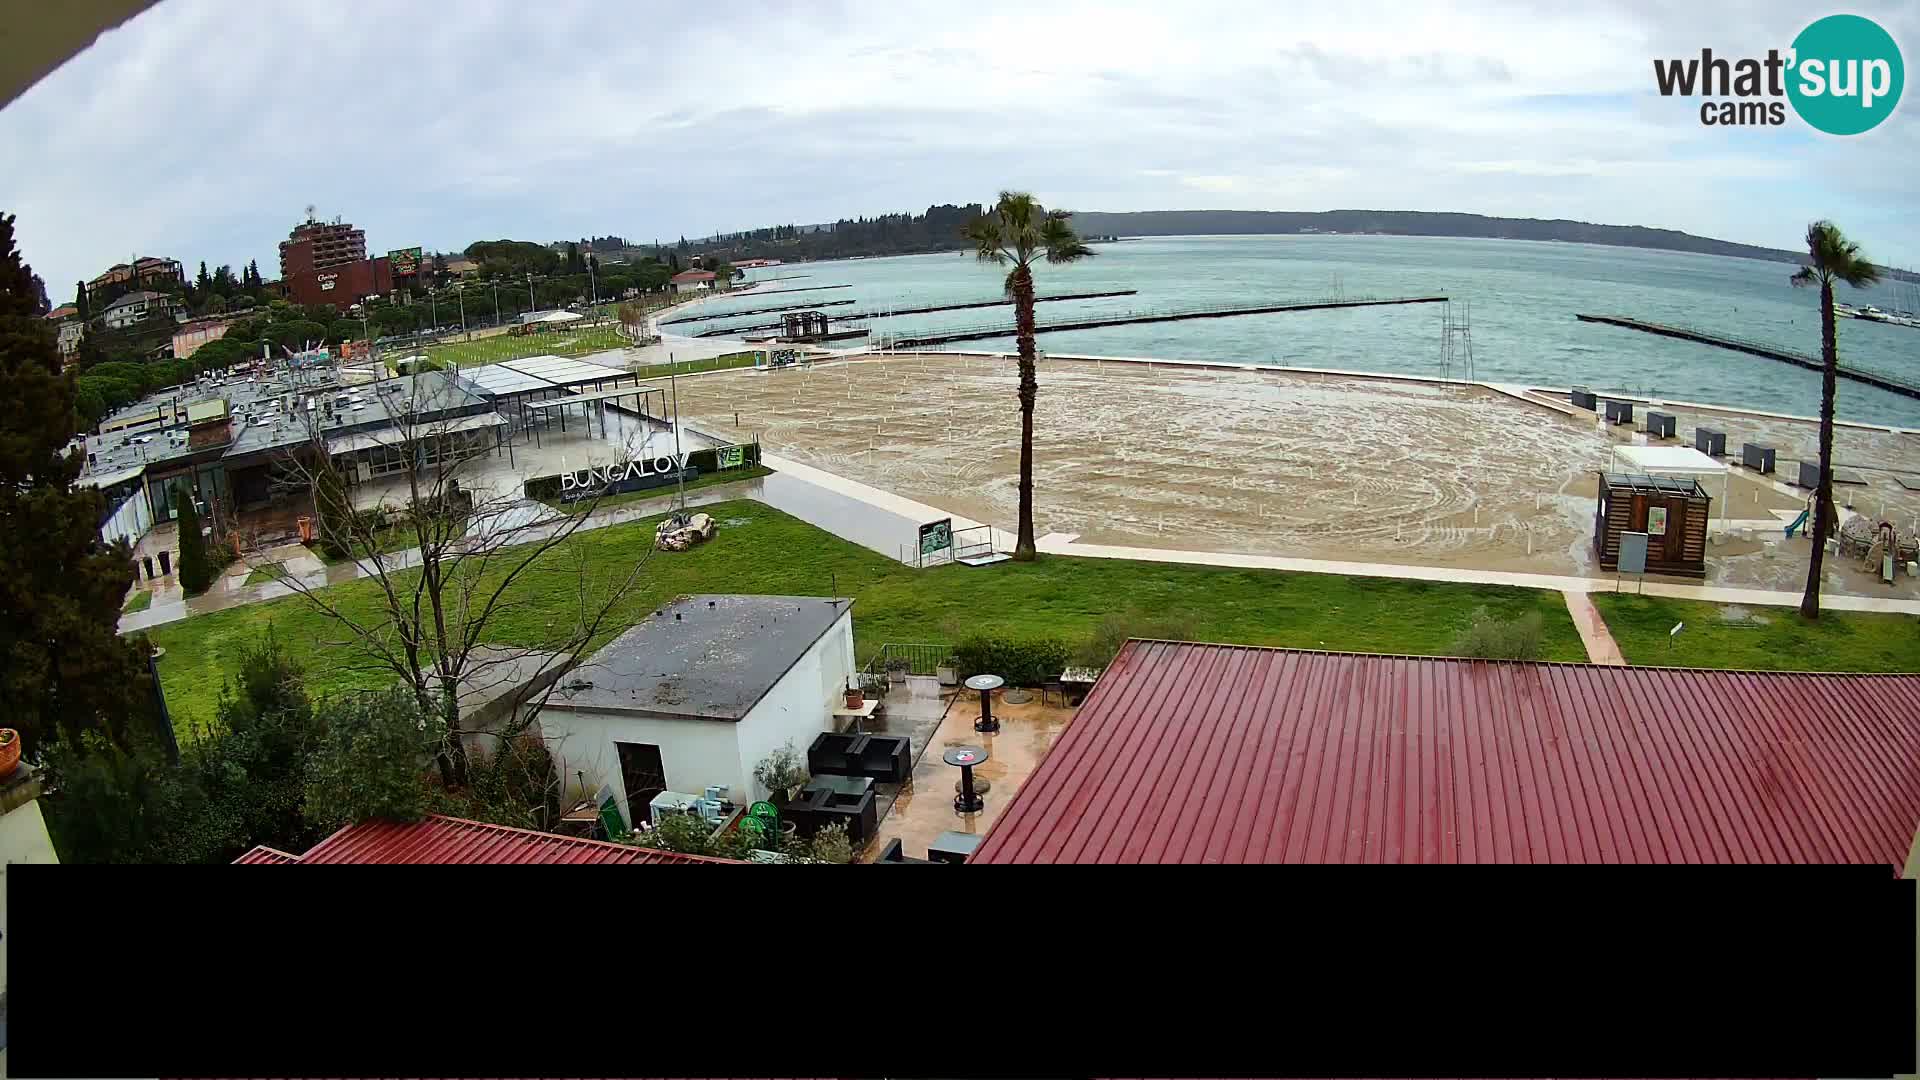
(195, 572)
(64, 669)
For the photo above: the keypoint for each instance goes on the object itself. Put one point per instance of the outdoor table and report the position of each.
(953, 847)
(1083, 677)
(847, 786)
(851, 718)
(986, 684)
(969, 800)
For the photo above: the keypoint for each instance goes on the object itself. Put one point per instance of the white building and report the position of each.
(136, 307)
(699, 693)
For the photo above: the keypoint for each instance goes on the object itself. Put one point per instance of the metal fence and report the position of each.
(912, 658)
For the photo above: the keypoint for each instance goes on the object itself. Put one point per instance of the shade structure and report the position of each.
(1674, 461)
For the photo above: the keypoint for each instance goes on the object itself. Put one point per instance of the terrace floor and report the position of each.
(922, 809)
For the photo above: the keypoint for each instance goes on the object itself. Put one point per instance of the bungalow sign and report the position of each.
(636, 474)
(622, 476)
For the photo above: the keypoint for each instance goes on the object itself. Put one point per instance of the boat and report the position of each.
(1871, 312)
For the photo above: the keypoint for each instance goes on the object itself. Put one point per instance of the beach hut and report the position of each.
(1673, 511)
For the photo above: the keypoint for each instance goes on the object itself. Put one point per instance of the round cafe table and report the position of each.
(986, 684)
(966, 757)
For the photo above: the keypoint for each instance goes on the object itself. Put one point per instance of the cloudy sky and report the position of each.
(202, 128)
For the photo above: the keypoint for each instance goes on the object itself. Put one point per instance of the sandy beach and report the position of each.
(1272, 463)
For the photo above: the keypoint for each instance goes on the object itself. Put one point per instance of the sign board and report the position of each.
(404, 261)
(1656, 521)
(936, 536)
(1633, 553)
(732, 457)
(618, 477)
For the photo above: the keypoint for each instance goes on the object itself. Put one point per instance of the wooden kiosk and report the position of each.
(1673, 512)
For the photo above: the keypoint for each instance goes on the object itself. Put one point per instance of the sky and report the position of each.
(202, 129)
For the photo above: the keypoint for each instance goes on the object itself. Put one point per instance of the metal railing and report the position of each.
(912, 658)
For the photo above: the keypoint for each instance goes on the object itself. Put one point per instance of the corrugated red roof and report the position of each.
(265, 854)
(440, 839)
(1216, 753)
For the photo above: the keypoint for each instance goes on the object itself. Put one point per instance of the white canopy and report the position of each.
(553, 317)
(1674, 461)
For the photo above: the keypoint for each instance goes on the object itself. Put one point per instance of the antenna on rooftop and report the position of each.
(310, 209)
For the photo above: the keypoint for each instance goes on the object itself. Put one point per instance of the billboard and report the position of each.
(404, 261)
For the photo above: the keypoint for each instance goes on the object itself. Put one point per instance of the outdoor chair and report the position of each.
(1054, 689)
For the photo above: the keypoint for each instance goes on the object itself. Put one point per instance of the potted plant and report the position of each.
(9, 751)
(781, 773)
(856, 696)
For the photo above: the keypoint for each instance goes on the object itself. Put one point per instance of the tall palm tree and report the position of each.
(1019, 231)
(1831, 257)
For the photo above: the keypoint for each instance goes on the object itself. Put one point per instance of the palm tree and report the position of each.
(1831, 257)
(1018, 231)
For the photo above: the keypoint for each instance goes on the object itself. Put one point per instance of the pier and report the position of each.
(760, 311)
(850, 316)
(976, 333)
(1754, 348)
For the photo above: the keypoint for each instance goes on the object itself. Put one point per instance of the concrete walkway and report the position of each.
(1068, 544)
(1601, 648)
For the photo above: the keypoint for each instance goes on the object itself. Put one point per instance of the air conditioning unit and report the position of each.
(671, 802)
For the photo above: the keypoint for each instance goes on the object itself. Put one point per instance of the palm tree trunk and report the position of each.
(1824, 519)
(1022, 281)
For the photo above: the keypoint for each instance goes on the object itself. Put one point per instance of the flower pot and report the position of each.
(856, 698)
(946, 674)
(9, 751)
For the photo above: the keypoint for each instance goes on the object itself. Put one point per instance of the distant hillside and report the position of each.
(1411, 223)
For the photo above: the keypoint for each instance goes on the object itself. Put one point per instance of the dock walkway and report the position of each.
(977, 333)
(1754, 348)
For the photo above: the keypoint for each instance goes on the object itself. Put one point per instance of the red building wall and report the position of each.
(342, 285)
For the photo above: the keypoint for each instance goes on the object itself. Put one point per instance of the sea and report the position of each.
(1515, 298)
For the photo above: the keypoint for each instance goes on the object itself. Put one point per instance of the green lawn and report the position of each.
(139, 601)
(731, 476)
(1758, 638)
(761, 550)
(492, 350)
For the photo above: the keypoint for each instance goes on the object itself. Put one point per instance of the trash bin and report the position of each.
(148, 561)
(165, 569)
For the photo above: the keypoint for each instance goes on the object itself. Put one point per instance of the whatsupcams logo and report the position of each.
(1842, 75)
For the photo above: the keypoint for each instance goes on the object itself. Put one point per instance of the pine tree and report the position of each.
(195, 572)
(80, 300)
(205, 280)
(64, 669)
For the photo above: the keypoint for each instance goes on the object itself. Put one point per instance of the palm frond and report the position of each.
(1836, 258)
(1805, 276)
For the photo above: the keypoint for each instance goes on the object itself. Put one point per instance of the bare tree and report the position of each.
(452, 561)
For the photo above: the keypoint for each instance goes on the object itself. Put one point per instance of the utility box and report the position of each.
(1583, 398)
(1619, 412)
(1809, 474)
(1757, 456)
(1710, 442)
(1660, 425)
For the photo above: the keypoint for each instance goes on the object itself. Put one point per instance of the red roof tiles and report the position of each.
(1214, 753)
(439, 839)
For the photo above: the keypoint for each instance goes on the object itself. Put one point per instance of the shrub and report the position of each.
(1113, 630)
(1488, 637)
(372, 760)
(196, 569)
(830, 845)
(1020, 661)
(781, 771)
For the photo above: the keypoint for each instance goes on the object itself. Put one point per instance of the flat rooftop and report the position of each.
(706, 657)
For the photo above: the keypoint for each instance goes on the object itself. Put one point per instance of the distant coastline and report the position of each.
(1421, 223)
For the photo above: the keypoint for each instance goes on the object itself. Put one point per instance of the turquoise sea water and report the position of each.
(1523, 297)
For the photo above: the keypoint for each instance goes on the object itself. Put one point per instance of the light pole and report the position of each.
(461, 295)
(531, 305)
(592, 284)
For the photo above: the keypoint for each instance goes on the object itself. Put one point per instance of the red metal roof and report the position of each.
(439, 839)
(693, 275)
(1217, 753)
(265, 854)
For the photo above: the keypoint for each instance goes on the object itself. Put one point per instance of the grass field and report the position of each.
(761, 550)
(500, 347)
(1759, 638)
(139, 601)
